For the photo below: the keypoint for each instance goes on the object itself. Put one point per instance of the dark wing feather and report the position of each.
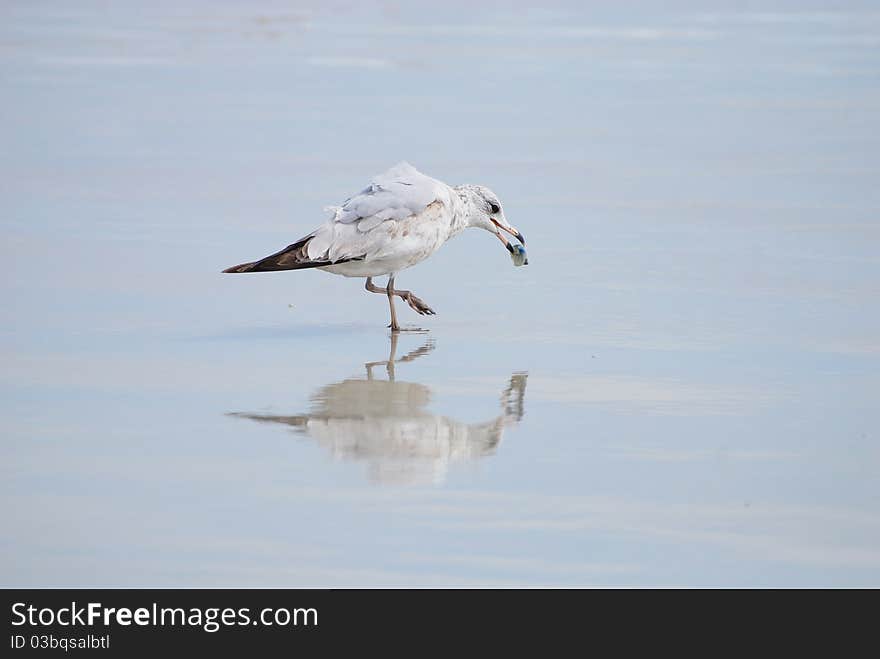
(292, 257)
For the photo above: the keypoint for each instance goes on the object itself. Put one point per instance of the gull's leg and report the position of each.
(417, 304)
(390, 291)
(372, 287)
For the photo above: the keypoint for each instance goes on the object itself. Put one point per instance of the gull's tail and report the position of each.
(292, 257)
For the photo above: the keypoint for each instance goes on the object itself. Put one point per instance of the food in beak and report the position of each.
(518, 255)
(517, 252)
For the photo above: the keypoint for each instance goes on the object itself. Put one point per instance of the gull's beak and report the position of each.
(513, 232)
(505, 242)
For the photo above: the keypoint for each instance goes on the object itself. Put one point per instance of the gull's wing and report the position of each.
(349, 235)
(396, 194)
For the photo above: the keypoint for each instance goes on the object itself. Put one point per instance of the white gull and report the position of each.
(398, 221)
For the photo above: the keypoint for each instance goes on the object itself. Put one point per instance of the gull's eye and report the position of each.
(495, 208)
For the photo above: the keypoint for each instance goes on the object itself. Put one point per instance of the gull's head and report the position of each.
(485, 212)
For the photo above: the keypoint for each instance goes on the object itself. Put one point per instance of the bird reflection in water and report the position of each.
(386, 423)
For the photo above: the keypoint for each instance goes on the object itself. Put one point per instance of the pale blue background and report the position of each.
(698, 183)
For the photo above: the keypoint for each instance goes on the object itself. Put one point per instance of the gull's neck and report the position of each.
(463, 208)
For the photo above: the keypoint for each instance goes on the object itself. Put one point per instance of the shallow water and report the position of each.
(680, 389)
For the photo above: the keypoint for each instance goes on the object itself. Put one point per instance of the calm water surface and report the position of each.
(680, 389)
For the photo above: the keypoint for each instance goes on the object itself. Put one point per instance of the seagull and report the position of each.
(399, 220)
